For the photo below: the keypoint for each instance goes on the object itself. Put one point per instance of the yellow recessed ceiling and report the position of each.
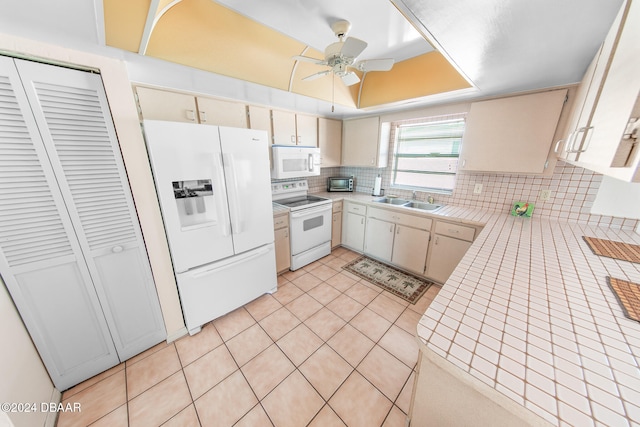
(208, 36)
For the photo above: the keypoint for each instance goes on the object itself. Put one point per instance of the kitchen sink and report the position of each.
(392, 201)
(423, 206)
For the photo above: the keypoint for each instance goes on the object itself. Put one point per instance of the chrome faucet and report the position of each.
(413, 197)
(430, 199)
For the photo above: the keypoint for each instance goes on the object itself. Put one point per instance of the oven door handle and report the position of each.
(311, 211)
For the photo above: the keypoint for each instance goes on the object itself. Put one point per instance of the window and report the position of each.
(426, 153)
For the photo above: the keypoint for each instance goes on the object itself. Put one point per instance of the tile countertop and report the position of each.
(529, 313)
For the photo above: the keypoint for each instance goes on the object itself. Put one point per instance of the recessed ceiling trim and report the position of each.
(364, 76)
(152, 19)
(419, 26)
(295, 66)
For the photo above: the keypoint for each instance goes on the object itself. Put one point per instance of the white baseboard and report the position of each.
(177, 334)
(52, 416)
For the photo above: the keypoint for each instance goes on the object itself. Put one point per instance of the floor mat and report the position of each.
(402, 284)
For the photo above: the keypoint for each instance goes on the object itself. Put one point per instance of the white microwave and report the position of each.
(290, 161)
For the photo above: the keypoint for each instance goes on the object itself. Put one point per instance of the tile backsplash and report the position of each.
(573, 191)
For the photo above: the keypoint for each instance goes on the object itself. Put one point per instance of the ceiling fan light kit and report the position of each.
(341, 56)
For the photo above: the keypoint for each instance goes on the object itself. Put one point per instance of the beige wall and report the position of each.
(24, 378)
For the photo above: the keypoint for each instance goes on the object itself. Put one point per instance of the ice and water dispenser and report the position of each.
(195, 203)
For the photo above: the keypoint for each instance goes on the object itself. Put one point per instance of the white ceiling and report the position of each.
(377, 22)
(501, 46)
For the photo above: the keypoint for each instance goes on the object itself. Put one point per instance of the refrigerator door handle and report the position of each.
(220, 198)
(231, 262)
(235, 203)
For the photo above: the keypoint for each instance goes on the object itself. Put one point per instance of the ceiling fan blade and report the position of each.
(309, 59)
(374, 65)
(352, 47)
(317, 75)
(350, 79)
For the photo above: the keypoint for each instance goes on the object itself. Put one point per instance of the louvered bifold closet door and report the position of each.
(74, 119)
(41, 261)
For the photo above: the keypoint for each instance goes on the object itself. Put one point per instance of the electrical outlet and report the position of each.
(545, 195)
(477, 189)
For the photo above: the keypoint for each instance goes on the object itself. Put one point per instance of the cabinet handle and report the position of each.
(436, 241)
(391, 228)
(572, 142)
(203, 116)
(116, 249)
(362, 221)
(293, 139)
(451, 230)
(560, 141)
(398, 231)
(191, 115)
(286, 233)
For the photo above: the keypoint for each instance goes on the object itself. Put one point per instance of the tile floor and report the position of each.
(328, 349)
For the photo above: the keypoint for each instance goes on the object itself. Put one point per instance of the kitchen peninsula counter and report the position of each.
(527, 320)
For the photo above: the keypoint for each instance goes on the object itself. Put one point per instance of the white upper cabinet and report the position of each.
(365, 142)
(260, 119)
(330, 141)
(164, 105)
(512, 135)
(294, 129)
(603, 127)
(156, 104)
(222, 113)
(307, 130)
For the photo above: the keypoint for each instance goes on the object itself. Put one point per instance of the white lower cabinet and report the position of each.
(353, 226)
(450, 243)
(283, 247)
(378, 240)
(398, 238)
(71, 250)
(410, 248)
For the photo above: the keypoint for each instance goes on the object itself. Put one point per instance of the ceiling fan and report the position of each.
(341, 57)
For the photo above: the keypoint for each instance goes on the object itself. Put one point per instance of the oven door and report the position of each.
(309, 228)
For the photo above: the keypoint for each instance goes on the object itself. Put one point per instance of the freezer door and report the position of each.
(189, 177)
(246, 165)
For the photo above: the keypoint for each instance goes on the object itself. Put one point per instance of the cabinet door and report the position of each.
(410, 248)
(283, 251)
(164, 105)
(284, 127)
(446, 253)
(353, 231)
(307, 130)
(378, 241)
(73, 117)
(511, 134)
(360, 142)
(336, 229)
(260, 119)
(41, 261)
(222, 113)
(330, 141)
(603, 145)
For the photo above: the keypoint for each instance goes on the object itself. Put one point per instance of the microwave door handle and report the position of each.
(310, 162)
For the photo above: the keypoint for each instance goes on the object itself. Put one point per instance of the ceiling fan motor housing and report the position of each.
(341, 28)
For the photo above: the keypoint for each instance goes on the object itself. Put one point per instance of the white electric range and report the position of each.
(309, 221)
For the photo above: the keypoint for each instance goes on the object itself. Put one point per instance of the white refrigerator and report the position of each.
(213, 185)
